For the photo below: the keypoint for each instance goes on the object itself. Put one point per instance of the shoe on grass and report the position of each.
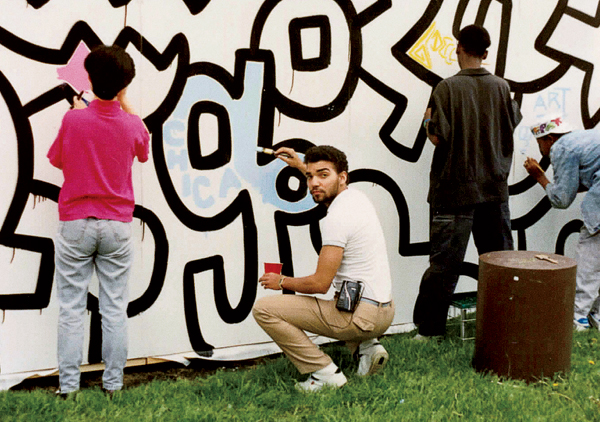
(371, 360)
(109, 393)
(420, 337)
(594, 320)
(317, 382)
(581, 324)
(59, 394)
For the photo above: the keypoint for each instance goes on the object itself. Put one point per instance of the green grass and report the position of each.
(422, 382)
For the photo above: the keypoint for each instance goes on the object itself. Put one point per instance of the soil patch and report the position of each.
(139, 375)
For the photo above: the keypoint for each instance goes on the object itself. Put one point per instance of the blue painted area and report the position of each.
(244, 118)
(552, 101)
(177, 159)
(228, 182)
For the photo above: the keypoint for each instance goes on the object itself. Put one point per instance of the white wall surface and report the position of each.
(217, 209)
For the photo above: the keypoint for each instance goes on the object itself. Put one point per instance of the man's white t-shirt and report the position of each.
(352, 223)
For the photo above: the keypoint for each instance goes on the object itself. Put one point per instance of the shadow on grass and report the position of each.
(140, 375)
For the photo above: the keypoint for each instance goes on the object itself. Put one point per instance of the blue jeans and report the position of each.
(450, 230)
(82, 246)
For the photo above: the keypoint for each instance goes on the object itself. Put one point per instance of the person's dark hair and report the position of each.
(110, 69)
(474, 39)
(327, 153)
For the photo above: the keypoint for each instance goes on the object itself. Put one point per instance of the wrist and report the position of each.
(540, 176)
(281, 282)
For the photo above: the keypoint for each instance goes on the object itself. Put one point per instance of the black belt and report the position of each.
(374, 302)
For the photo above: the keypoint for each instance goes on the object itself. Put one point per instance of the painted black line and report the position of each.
(400, 49)
(573, 226)
(194, 6)
(410, 154)
(337, 106)
(405, 247)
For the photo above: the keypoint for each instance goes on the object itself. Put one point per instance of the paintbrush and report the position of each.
(272, 152)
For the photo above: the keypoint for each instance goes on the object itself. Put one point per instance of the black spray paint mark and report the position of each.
(194, 6)
(40, 298)
(241, 206)
(337, 106)
(323, 59)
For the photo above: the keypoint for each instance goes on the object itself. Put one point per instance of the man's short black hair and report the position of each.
(327, 153)
(474, 39)
(110, 69)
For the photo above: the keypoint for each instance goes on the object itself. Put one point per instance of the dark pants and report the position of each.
(450, 229)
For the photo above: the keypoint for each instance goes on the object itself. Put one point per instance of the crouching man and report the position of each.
(353, 249)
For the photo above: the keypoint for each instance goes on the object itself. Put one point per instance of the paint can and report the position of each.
(524, 316)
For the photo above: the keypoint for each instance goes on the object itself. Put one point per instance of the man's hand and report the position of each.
(330, 259)
(289, 156)
(427, 114)
(534, 169)
(78, 103)
(270, 281)
(426, 118)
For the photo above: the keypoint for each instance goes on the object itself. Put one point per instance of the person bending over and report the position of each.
(575, 159)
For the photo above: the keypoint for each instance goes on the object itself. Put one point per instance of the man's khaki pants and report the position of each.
(286, 317)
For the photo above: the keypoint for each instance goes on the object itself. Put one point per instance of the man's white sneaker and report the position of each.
(371, 360)
(581, 324)
(420, 337)
(317, 382)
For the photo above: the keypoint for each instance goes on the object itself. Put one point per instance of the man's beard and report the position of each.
(327, 197)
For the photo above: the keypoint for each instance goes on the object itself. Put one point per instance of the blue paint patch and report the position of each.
(244, 117)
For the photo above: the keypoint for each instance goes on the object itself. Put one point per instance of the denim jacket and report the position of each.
(575, 159)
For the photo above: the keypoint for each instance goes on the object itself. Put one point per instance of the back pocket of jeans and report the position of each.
(121, 230)
(72, 231)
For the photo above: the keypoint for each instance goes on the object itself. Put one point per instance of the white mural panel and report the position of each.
(215, 80)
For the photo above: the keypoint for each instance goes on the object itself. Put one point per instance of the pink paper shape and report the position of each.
(74, 72)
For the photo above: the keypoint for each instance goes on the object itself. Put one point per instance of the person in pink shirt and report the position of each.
(95, 149)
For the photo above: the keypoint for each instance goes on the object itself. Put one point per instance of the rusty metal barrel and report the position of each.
(524, 327)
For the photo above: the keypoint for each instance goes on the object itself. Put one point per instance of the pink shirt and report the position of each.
(95, 148)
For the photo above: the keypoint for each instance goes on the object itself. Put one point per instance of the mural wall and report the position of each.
(215, 80)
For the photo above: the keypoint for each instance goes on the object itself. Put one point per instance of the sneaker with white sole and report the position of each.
(317, 382)
(581, 324)
(371, 360)
(421, 337)
(594, 320)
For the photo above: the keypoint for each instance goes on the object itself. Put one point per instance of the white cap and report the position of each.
(550, 124)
